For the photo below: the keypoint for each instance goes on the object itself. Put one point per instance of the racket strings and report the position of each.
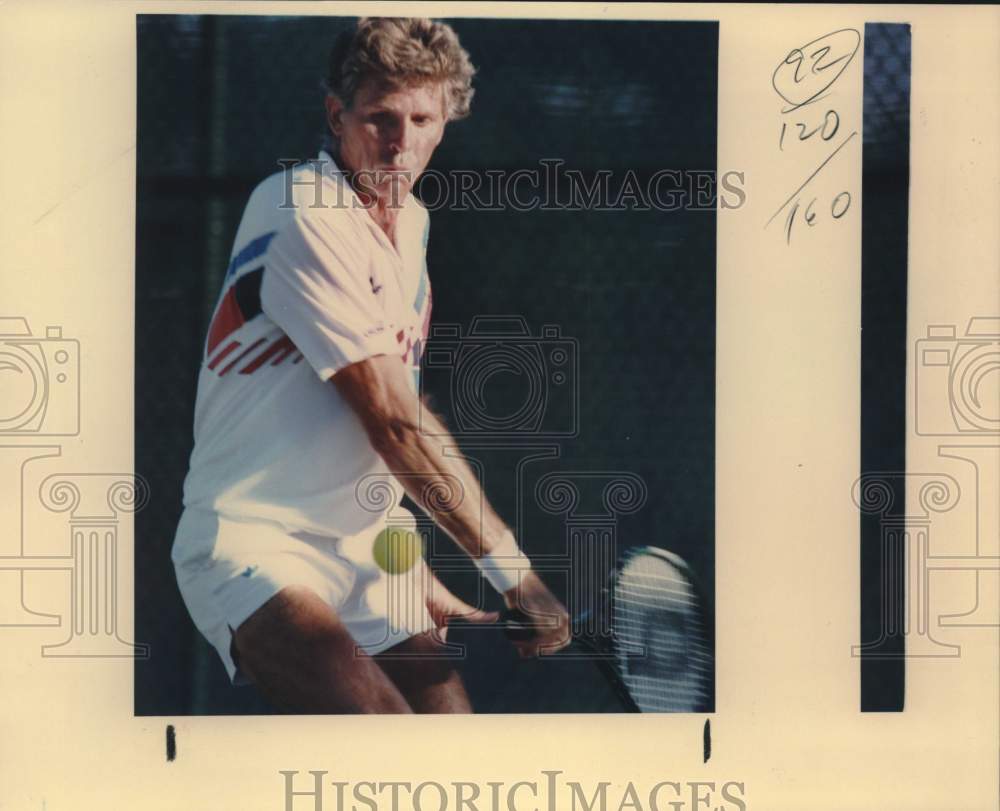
(658, 636)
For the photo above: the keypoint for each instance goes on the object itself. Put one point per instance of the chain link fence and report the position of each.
(887, 96)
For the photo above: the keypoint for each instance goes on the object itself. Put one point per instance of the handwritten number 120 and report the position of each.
(826, 130)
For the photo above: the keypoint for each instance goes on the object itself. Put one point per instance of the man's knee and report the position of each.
(423, 659)
(426, 675)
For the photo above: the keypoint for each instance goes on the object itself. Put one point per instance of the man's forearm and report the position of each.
(444, 486)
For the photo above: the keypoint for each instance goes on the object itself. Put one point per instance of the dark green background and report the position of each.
(221, 99)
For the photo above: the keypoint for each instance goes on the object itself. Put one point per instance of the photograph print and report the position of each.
(425, 365)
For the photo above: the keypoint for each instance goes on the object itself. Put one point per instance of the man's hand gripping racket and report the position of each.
(537, 623)
(657, 657)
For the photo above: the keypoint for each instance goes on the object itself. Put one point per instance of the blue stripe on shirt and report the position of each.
(253, 249)
(422, 286)
(418, 304)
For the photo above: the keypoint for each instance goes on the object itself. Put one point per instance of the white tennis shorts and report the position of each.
(227, 569)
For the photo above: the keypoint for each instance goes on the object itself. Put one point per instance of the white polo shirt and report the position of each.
(312, 286)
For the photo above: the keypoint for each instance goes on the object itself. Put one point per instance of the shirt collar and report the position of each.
(331, 170)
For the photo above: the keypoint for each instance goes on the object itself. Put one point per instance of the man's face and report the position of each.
(388, 135)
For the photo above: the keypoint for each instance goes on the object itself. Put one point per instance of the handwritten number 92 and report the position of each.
(810, 70)
(801, 79)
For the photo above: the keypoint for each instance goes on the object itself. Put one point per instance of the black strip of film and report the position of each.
(884, 225)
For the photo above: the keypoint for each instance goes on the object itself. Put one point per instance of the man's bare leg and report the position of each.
(302, 659)
(429, 683)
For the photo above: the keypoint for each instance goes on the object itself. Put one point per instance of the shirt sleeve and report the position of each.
(316, 288)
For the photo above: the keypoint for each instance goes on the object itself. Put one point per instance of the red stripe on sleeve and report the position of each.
(282, 345)
(218, 358)
(227, 320)
(242, 355)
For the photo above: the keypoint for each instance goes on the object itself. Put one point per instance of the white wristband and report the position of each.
(501, 566)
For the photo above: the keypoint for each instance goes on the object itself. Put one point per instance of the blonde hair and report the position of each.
(402, 51)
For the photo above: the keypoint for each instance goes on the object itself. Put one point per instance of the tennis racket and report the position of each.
(657, 655)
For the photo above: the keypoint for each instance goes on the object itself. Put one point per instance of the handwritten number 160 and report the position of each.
(838, 208)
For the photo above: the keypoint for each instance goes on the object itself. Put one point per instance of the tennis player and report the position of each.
(308, 397)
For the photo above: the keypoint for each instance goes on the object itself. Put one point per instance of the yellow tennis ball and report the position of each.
(396, 549)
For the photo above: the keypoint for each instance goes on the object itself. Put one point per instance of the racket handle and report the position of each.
(517, 625)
